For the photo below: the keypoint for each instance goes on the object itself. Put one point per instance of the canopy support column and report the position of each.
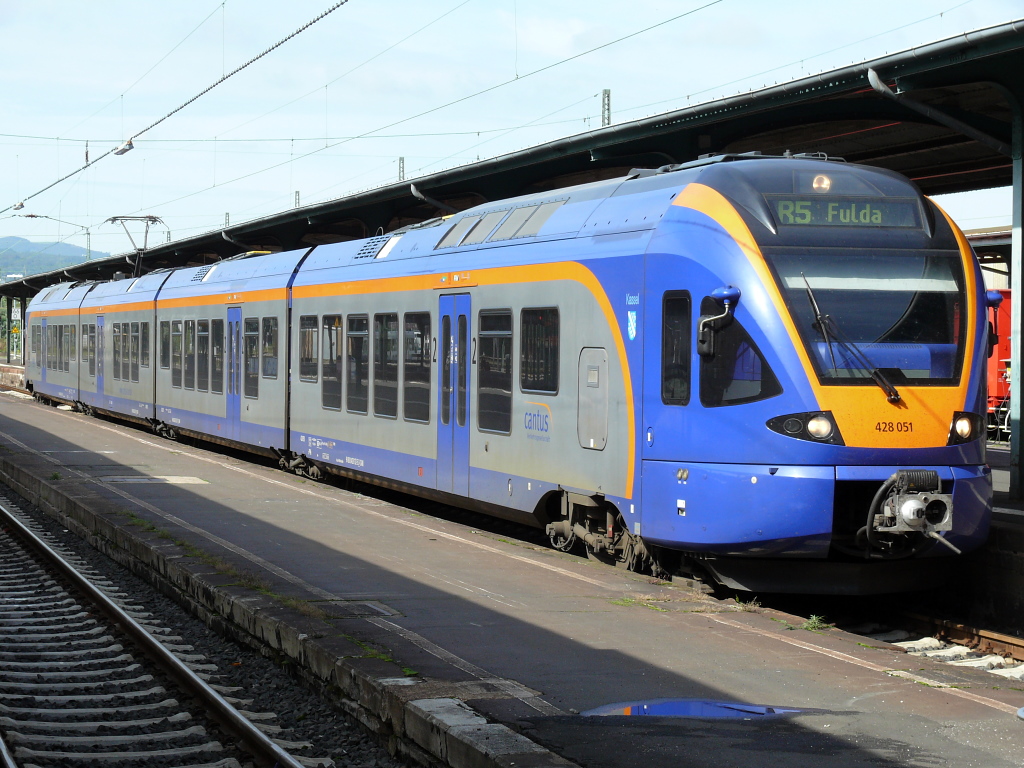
(1016, 259)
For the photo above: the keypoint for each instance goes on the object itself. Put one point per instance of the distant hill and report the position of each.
(20, 256)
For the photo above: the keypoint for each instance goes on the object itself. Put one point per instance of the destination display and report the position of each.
(832, 211)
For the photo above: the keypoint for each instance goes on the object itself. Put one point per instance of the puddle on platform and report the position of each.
(702, 708)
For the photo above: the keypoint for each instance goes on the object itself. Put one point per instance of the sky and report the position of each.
(331, 110)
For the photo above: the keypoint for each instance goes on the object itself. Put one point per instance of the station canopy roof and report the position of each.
(940, 113)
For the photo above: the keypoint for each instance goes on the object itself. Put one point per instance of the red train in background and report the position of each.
(999, 371)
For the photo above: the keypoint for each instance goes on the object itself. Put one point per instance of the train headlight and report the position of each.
(821, 183)
(816, 426)
(819, 427)
(965, 427)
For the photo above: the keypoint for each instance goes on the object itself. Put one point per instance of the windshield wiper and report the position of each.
(826, 324)
(821, 323)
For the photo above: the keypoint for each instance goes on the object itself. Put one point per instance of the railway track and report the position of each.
(950, 642)
(87, 679)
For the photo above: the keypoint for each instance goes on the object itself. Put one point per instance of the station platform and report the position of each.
(462, 646)
(1004, 508)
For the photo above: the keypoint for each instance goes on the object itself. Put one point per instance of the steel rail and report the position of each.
(962, 634)
(251, 738)
(6, 758)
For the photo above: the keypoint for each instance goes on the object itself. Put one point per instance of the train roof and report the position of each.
(273, 269)
(619, 205)
(485, 235)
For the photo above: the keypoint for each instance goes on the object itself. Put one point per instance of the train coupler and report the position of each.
(910, 501)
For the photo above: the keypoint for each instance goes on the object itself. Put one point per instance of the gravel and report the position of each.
(303, 714)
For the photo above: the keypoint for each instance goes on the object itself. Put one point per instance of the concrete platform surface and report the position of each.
(458, 643)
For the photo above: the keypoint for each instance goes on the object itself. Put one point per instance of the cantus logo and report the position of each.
(537, 421)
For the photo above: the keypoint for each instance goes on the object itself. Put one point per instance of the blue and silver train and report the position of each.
(768, 371)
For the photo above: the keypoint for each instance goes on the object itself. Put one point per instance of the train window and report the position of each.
(455, 234)
(307, 348)
(251, 346)
(462, 372)
(357, 364)
(126, 373)
(189, 344)
(385, 365)
(416, 387)
(738, 372)
(217, 361)
(116, 348)
(533, 226)
(494, 373)
(484, 227)
(135, 351)
(165, 344)
(144, 345)
(203, 355)
(538, 351)
(69, 345)
(446, 369)
(675, 348)
(175, 353)
(511, 225)
(73, 341)
(269, 345)
(333, 362)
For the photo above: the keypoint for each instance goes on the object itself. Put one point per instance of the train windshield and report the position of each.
(901, 314)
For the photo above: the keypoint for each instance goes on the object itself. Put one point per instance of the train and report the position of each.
(766, 372)
(998, 374)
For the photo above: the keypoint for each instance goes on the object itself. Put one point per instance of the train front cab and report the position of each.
(790, 431)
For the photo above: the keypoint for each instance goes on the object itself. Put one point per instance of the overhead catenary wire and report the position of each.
(148, 71)
(453, 102)
(349, 71)
(182, 106)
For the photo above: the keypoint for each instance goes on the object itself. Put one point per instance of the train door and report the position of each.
(453, 412)
(99, 354)
(668, 371)
(234, 389)
(44, 347)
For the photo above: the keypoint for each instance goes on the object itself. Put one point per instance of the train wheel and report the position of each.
(603, 556)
